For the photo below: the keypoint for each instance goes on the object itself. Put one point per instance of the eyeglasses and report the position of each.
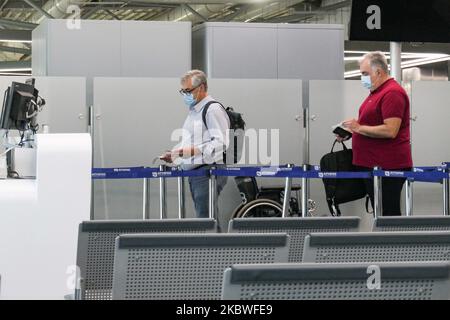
(187, 91)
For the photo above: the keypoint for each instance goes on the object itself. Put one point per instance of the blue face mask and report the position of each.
(189, 100)
(366, 82)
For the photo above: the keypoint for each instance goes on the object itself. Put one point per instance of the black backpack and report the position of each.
(237, 127)
(341, 190)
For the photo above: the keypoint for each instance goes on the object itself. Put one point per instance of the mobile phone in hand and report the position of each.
(341, 132)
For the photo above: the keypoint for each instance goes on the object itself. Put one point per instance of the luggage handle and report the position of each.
(344, 147)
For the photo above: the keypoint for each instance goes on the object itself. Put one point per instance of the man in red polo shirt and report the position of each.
(381, 135)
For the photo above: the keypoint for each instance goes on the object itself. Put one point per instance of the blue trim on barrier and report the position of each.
(431, 176)
(174, 173)
(418, 174)
(338, 175)
(118, 173)
(295, 172)
(261, 172)
(422, 169)
(144, 172)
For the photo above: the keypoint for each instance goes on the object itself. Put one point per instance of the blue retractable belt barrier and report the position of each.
(268, 172)
(422, 169)
(338, 175)
(174, 173)
(118, 173)
(144, 172)
(420, 174)
(425, 176)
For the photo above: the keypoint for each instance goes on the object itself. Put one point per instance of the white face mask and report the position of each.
(366, 82)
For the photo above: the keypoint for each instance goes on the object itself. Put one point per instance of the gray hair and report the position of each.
(377, 60)
(198, 78)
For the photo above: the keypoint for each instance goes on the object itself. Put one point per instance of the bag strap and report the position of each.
(334, 208)
(205, 110)
(367, 205)
(344, 147)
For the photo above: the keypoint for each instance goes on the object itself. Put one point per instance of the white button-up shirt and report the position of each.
(212, 140)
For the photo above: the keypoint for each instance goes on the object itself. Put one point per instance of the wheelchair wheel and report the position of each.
(259, 208)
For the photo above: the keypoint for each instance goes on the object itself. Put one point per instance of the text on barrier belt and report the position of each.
(421, 174)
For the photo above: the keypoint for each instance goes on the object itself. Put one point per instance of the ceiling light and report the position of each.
(14, 69)
(429, 59)
(14, 74)
(15, 41)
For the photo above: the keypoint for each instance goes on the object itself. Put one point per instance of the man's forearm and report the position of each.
(380, 132)
(189, 151)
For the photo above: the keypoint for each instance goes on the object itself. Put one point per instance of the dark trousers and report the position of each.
(391, 190)
(199, 187)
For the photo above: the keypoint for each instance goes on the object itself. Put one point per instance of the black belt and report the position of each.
(204, 165)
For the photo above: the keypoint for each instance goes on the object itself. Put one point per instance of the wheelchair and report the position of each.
(267, 202)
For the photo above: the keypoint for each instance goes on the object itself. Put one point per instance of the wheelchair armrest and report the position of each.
(280, 188)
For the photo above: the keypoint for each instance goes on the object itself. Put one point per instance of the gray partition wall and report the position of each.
(265, 105)
(134, 120)
(430, 139)
(100, 48)
(267, 50)
(331, 102)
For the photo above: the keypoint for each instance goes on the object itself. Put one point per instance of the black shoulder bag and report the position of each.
(341, 190)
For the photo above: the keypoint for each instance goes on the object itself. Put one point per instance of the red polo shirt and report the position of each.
(387, 101)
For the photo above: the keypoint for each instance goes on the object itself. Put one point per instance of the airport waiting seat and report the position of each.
(417, 223)
(358, 281)
(297, 228)
(96, 240)
(188, 266)
(377, 247)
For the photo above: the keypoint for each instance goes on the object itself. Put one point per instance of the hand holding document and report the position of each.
(341, 132)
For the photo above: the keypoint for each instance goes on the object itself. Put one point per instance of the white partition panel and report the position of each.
(136, 117)
(236, 50)
(156, 48)
(330, 103)
(430, 138)
(269, 50)
(122, 48)
(265, 104)
(65, 110)
(310, 51)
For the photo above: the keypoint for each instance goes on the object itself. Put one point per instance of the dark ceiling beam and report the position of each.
(15, 35)
(17, 24)
(112, 14)
(14, 65)
(195, 13)
(302, 15)
(38, 8)
(240, 10)
(21, 4)
(4, 3)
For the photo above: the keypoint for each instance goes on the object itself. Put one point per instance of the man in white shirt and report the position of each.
(202, 146)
